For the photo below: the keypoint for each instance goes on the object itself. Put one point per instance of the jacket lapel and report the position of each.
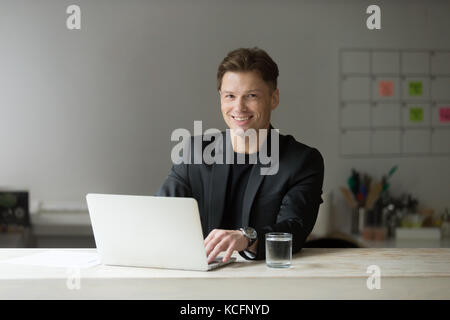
(254, 181)
(219, 180)
(218, 185)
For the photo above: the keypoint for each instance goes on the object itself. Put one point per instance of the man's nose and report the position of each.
(241, 104)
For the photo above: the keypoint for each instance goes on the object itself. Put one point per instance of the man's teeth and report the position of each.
(241, 119)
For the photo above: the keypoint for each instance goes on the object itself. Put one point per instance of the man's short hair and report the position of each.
(249, 59)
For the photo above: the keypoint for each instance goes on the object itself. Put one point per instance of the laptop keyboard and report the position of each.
(216, 260)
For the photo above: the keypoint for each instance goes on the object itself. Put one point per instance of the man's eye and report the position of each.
(229, 96)
(252, 95)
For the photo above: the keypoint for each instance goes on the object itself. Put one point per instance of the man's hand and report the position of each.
(220, 240)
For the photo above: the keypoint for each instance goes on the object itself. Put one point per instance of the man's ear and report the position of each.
(275, 100)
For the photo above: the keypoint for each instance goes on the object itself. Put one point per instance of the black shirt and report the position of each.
(237, 183)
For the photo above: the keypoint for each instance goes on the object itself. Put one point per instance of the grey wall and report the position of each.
(93, 110)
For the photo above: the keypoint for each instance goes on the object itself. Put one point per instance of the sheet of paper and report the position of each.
(58, 258)
(444, 114)
(415, 88)
(416, 114)
(385, 88)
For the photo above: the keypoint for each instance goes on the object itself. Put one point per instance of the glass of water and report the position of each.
(278, 249)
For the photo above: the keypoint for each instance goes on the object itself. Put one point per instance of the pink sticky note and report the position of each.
(444, 114)
(386, 88)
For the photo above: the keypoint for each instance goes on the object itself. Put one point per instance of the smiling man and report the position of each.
(238, 205)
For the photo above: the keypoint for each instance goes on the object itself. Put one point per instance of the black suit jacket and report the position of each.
(287, 201)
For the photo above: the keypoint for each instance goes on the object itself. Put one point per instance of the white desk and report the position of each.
(315, 274)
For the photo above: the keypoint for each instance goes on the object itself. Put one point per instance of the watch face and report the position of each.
(251, 233)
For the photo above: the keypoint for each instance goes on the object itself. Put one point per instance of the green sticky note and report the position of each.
(416, 114)
(415, 88)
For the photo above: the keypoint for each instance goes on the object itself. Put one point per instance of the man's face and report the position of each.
(246, 100)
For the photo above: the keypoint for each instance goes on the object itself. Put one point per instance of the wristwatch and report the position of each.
(250, 234)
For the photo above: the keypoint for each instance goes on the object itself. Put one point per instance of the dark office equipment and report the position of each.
(14, 209)
(330, 243)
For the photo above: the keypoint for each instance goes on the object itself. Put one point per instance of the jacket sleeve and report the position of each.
(177, 183)
(299, 206)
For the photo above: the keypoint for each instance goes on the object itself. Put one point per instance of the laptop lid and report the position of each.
(147, 231)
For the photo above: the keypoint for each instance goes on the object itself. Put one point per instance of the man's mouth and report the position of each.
(241, 118)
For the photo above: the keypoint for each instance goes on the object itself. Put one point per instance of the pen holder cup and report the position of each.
(374, 233)
(359, 220)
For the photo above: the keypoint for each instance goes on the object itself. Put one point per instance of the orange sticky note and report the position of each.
(444, 114)
(385, 88)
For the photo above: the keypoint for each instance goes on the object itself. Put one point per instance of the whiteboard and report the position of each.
(386, 115)
(416, 141)
(406, 95)
(415, 62)
(386, 142)
(385, 62)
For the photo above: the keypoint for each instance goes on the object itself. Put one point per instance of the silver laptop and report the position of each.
(148, 231)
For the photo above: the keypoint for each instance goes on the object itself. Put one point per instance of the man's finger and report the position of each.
(217, 249)
(210, 236)
(228, 253)
(212, 244)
